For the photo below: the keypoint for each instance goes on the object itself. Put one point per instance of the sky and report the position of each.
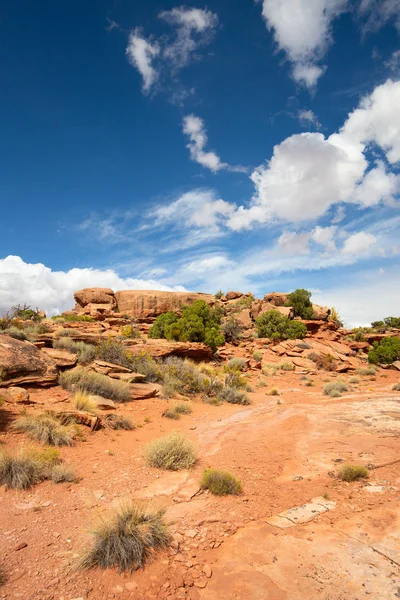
(247, 145)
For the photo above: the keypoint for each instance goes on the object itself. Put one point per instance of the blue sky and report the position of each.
(247, 145)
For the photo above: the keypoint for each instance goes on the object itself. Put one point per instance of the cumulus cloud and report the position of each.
(192, 29)
(393, 63)
(302, 29)
(309, 173)
(359, 243)
(141, 54)
(53, 291)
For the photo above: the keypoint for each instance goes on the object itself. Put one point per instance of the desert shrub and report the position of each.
(232, 395)
(353, 472)
(326, 362)
(26, 467)
(275, 326)
(127, 539)
(64, 332)
(113, 351)
(354, 380)
(220, 483)
(17, 334)
(46, 428)
(258, 355)
(335, 317)
(396, 387)
(119, 422)
(334, 389)
(61, 473)
(231, 330)
(175, 412)
(146, 365)
(84, 402)
(273, 392)
(219, 295)
(129, 331)
(300, 300)
(237, 364)
(359, 336)
(76, 318)
(366, 371)
(172, 452)
(198, 323)
(236, 380)
(183, 376)
(84, 352)
(309, 383)
(286, 366)
(392, 322)
(25, 312)
(243, 302)
(386, 351)
(79, 379)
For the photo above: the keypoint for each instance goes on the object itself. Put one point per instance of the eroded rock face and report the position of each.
(233, 295)
(321, 312)
(95, 296)
(276, 298)
(22, 362)
(261, 306)
(149, 304)
(164, 348)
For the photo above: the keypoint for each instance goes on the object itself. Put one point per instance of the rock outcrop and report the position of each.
(95, 296)
(164, 348)
(22, 363)
(145, 305)
(276, 298)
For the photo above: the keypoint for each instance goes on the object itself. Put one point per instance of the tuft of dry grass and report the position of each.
(233, 396)
(334, 389)
(46, 428)
(84, 352)
(273, 392)
(127, 539)
(79, 379)
(119, 422)
(220, 483)
(62, 473)
(366, 371)
(353, 472)
(172, 452)
(175, 412)
(26, 467)
(84, 402)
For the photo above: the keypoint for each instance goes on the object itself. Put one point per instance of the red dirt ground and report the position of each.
(286, 450)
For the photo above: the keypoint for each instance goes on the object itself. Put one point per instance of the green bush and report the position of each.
(95, 383)
(275, 326)
(127, 539)
(198, 323)
(300, 300)
(76, 318)
(220, 483)
(392, 322)
(386, 351)
(172, 452)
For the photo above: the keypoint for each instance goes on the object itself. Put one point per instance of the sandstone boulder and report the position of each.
(164, 348)
(276, 298)
(233, 295)
(22, 362)
(149, 304)
(261, 306)
(62, 358)
(321, 313)
(95, 296)
(15, 395)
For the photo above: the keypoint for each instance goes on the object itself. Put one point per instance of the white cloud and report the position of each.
(376, 13)
(359, 243)
(53, 291)
(194, 28)
(291, 242)
(307, 118)
(208, 264)
(324, 236)
(194, 128)
(309, 173)
(141, 54)
(393, 63)
(302, 28)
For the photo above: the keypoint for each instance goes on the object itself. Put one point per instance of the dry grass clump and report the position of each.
(396, 387)
(273, 392)
(176, 411)
(233, 395)
(95, 383)
(286, 366)
(61, 473)
(46, 428)
(258, 355)
(334, 389)
(84, 402)
(84, 352)
(26, 467)
(172, 452)
(353, 472)
(354, 380)
(366, 371)
(119, 422)
(240, 364)
(220, 483)
(127, 539)
(326, 362)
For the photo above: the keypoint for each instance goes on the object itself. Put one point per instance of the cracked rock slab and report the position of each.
(301, 514)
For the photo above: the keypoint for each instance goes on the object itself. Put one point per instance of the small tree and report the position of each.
(275, 326)
(387, 351)
(219, 295)
(158, 328)
(300, 300)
